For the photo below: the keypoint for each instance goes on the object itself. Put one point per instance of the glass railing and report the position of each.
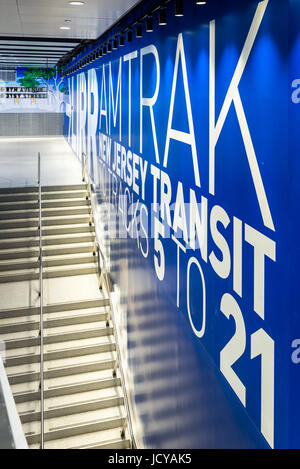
(11, 431)
(106, 286)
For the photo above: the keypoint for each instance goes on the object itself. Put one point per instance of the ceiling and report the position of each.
(30, 33)
(32, 52)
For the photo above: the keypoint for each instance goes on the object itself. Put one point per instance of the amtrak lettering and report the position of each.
(113, 118)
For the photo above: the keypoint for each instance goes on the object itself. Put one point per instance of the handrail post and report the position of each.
(41, 303)
(83, 159)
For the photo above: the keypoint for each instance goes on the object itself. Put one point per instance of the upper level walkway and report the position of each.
(18, 162)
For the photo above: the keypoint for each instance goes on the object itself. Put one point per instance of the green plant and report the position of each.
(49, 77)
(32, 75)
(29, 80)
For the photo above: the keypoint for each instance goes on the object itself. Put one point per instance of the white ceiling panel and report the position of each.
(41, 20)
(28, 17)
(29, 48)
(7, 27)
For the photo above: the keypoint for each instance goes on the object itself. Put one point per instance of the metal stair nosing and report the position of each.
(55, 308)
(57, 262)
(63, 371)
(75, 270)
(16, 360)
(34, 189)
(73, 388)
(46, 195)
(113, 444)
(95, 404)
(27, 252)
(83, 428)
(56, 338)
(33, 205)
(51, 241)
(71, 228)
(34, 324)
(46, 213)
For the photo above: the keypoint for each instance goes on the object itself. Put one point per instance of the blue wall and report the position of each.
(212, 326)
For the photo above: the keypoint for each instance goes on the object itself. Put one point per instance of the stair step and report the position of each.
(53, 212)
(52, 261)
(48, 195)
(32, 323)
(47, 222)
(64, 188)
(49, 241)
(62, 386)
(54, 195)
(71, 404)
(23, 253)
(55, 308)
(75, 428)
(52, 336)
(34, 205)
(106, 439)
(22, 366)
(107, 444)
(35, 189)
(76, 269)
(18, 190)
(66, 203)
(66, 220)
(50, 272)
(66, 370)
(55, 330)
(13, 233)
(33, 393)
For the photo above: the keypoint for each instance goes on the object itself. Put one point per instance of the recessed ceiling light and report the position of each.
(76, 3)
(64, 27)
(68, 21)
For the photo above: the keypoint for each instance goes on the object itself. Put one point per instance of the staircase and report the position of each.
(83, 397)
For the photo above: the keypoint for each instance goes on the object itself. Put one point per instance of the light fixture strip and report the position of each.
(112, 44)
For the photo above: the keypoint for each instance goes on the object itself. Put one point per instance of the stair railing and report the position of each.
(105, 283)
(41, 303)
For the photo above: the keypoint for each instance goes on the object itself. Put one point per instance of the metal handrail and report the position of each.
(41, 303)
(103, 273)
